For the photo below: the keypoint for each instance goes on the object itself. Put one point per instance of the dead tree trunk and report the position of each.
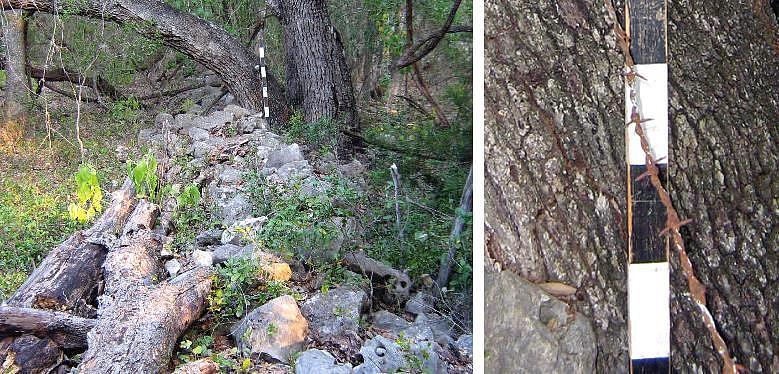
(555, 166)
(66, 330)
(139, 321)
(317, 71)
(466, 206)
(17, 84)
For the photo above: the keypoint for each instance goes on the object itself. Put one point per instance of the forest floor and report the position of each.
(37, 184)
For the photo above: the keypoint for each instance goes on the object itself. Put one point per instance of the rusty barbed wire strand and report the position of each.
(673, 224)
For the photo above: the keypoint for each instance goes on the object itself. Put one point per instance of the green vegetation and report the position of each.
(144, 176)
(88, 193)
(318, 135)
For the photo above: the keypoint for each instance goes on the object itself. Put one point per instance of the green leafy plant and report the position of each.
(89, 196)
(126, 109)
(320, 134)
(144, 176)
(189, 197)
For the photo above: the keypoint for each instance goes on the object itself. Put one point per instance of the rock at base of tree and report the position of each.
(318, 361)
(225, 252)
(202, 366)
(276, 330)
(243, 230)
(528, 335)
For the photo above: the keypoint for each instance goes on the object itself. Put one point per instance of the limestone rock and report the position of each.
(421, 302)
(225, 252)
(382, 355)
(202, 258)
(283, 156)
(464, 345)
(173, 267)
(237, 111)
(208, 237)
(275, 330)
(530, 334)
(197, 134)
(318, 361)
(389, 322)
(239, 230)
(335, 313)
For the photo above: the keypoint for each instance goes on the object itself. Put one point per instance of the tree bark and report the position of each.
(316, 66)
(139, 321)
(17, 84)
(66, 330)
(202, 41)
(555, 165)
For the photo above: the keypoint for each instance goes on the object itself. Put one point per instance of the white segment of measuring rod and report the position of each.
(653, 104)
(649, 311)
(267, 112)
(262, 72)
(262, 52)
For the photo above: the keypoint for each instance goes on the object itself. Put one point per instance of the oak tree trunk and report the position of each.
(17, 84)
(317, 72)
(555, 167)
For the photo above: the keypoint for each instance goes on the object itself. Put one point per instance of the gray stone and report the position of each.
(382, 355)
(237, 111)
(439, 326)
(183, 121)
(197, 134)
(318, 361)
(283, 156)
(225, 252)
(213, 120)
(208, 237)
(163, 120)
(293, 170)
(275, 330)
(237, 208)
(202, 258)
(520, 341)
(201, 149)
(239, 229)
(229, 175)
(464, 345)
(390, 322)
(354, 169)
(421, 302)
(335, 313)
(173, 267)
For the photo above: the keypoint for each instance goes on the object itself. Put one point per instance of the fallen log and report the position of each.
(66, 330)
(139, 321)
(380, 275)
(202, 366)
(67, 279)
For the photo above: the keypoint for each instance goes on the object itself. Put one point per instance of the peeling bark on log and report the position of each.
(67, 279)
(66, 330)
(555, 165)
(202, 366)
(139, 321)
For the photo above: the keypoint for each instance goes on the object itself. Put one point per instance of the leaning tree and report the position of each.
(555, 167)
(314, 53)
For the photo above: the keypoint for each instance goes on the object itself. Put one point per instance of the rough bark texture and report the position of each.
(67, 279)
(319, 66)
(29, 354)
(17, 85)
(555, 188)
(66, 330)
(139, 321)
(202, 41)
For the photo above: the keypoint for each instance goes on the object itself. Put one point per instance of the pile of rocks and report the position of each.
(337, 326)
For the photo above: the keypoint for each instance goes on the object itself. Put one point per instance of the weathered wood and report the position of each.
(202, 366)
(139, 321)
(29, 354)
(66, 330)
(67, 279)
(380, 274)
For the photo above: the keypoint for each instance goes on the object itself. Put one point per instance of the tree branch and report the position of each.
(428, 44)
